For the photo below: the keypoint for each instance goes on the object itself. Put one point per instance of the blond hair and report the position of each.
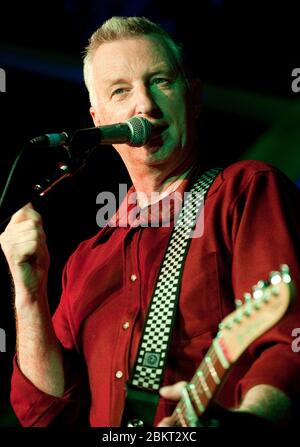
(118, 28)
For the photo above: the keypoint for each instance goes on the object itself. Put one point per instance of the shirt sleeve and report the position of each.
(266, 234)
(33, 407)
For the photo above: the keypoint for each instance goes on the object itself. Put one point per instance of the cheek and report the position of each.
(181, 120)
(115, 114)
(180, 132)
(178, 108)
(106, 113)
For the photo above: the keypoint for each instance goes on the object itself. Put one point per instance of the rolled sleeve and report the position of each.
(34, 408)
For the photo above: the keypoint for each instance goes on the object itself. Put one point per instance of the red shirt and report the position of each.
(251, 226)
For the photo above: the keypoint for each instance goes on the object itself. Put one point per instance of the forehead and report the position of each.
(127, 54)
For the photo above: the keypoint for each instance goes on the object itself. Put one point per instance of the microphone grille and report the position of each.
(140, 131)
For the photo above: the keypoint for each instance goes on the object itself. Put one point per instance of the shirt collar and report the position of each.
(160, 214)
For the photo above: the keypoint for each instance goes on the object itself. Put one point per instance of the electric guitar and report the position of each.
(257, 314)
(261, 310)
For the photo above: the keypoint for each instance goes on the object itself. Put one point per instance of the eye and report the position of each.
(163, 81)
(119, 91)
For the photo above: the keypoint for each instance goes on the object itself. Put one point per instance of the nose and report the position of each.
(145, 104)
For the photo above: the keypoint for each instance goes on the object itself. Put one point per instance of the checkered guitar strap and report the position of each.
(142, 395)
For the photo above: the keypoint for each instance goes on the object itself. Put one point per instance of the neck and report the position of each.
(153, 181)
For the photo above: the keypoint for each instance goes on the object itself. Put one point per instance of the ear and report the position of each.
(196, 95)
(95, 116)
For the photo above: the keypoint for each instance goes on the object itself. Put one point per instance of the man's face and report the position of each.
(139, 76)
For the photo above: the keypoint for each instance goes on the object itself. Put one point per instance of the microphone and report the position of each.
(136, 132)
(50, 140)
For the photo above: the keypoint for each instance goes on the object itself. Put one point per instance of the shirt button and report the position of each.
(119, 374)
(126, 325)
(133, 278)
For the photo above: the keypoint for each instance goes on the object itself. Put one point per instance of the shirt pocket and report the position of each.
(199, 302)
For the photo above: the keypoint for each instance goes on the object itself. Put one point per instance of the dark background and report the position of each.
(243, 51)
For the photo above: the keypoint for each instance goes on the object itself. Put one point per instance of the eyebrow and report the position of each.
(113, 82)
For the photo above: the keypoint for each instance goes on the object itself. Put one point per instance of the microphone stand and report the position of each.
(40, 190)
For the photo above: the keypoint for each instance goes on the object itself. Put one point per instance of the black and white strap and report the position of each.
(156, 336)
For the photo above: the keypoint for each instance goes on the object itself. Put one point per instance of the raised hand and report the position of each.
(24, 245)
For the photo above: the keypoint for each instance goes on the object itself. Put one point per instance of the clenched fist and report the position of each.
(24, 245)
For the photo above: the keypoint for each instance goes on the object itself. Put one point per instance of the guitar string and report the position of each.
(212, 354)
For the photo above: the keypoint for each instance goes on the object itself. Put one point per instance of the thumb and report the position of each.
(22, 214)
(29, 206)
(172, 392)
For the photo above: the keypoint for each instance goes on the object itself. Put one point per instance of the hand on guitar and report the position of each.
(171, 392)
(215, 416)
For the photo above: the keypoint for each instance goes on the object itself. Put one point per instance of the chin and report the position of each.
(155, 157)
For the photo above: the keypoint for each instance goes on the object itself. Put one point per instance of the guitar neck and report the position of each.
(200, 391)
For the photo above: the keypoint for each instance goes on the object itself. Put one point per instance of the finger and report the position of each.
(25, 213)
(166, 422)
(22, 232)
(172, 392)
(24, 238)
(24, 226)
